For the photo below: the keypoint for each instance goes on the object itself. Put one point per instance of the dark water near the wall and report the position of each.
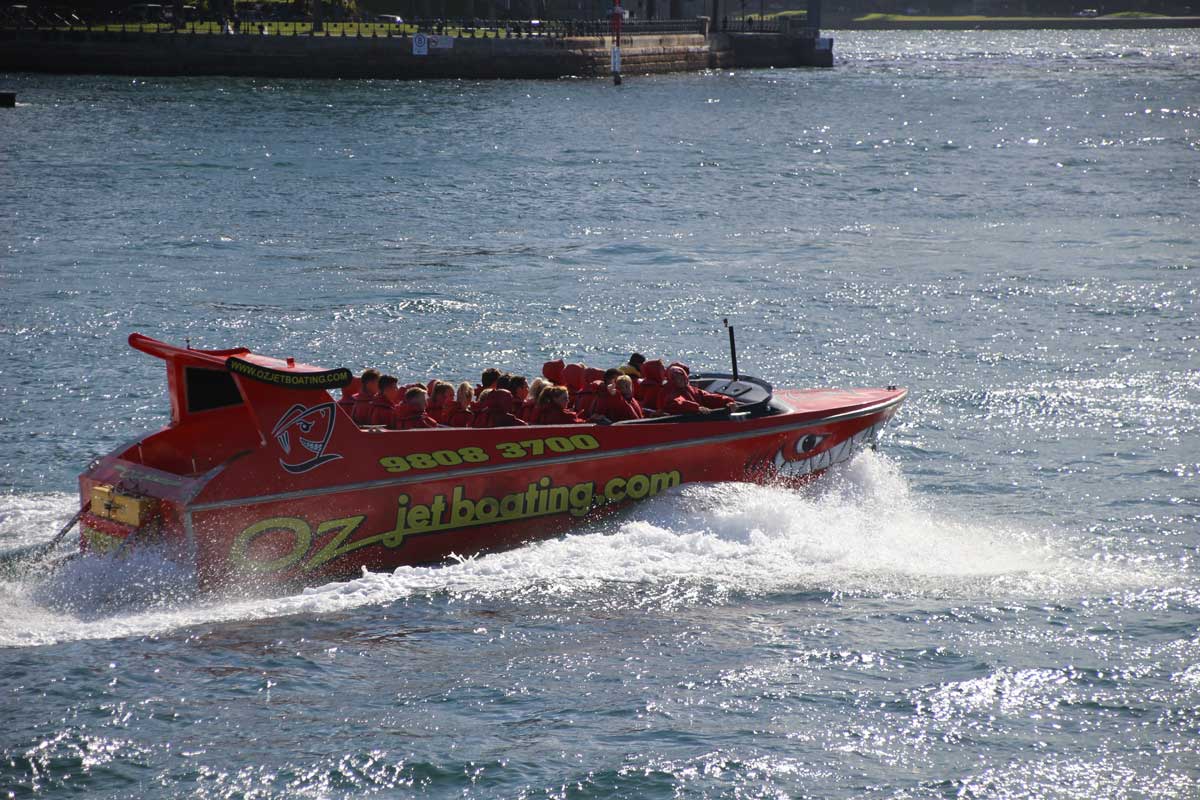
(1003, 602)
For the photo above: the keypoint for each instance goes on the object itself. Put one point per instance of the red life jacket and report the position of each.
(585, 401)
(497, 411)
(478, 409)
(572, 378)
(689, 399)
(553, 370)
(616, 408)
(349, 391)
(457, 416)
(438, 410)
(381, 410)
(361, 412)
(649, 388)
(405, 418)
(553, 415)
(529, 410)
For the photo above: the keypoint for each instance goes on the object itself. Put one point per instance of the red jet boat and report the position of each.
(260, 477)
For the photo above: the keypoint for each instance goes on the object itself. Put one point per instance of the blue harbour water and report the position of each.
(1003, 602)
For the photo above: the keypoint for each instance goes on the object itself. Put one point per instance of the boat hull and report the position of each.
(282, 488)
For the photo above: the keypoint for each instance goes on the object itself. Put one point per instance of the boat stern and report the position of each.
(126, 505)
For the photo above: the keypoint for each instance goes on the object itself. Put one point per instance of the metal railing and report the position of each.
(754, 24)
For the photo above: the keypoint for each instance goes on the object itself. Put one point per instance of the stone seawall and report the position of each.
(163, 54)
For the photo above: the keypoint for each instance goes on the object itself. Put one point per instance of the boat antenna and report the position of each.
(732, 348)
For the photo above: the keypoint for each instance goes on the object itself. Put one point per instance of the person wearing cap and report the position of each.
(634, 368)
(680, 397)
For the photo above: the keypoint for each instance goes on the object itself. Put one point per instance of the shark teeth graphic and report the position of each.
(839, 453)
(305, 419)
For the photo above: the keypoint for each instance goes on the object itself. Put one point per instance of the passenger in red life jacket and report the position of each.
(529, 407)
(680, 397)
(346, 403)
(411, 413)
(440, 398)
(458, 412)
(479, 409)
(594, 381)
(361, 411)
(383, 402)
(634, 367)
(617, 403)
(519, 387)
(552, 408)
(572, 378)
(651, 384)
(497, 411)
(487, 381)
(552, 371)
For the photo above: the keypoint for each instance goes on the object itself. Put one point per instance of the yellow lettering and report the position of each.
(298, 529)
(614, 492)
(539, 499)
(334, 548)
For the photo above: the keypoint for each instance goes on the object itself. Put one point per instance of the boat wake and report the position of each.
(857, 532)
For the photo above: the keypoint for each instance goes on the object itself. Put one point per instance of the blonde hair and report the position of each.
(550, 392)
(465, 389)
(622, 381)
(536, 388)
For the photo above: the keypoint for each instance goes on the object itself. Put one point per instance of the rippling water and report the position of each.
(1003, 602)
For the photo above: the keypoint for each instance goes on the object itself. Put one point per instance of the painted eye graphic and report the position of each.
(809, 442)
(305, 426)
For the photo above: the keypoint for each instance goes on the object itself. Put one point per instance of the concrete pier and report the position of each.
(164, 54)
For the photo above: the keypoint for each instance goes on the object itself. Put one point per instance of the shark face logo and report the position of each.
(302, 433)
(786, 465)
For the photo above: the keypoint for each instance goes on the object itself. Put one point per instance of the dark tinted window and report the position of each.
(209, 388)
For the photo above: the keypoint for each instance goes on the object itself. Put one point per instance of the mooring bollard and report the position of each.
(8, 99)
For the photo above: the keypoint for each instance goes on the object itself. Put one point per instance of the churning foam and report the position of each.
(858, 530)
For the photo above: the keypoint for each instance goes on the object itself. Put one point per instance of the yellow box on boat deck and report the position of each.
(107, 502)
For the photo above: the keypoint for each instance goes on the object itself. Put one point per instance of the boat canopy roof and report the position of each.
(215, 359)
